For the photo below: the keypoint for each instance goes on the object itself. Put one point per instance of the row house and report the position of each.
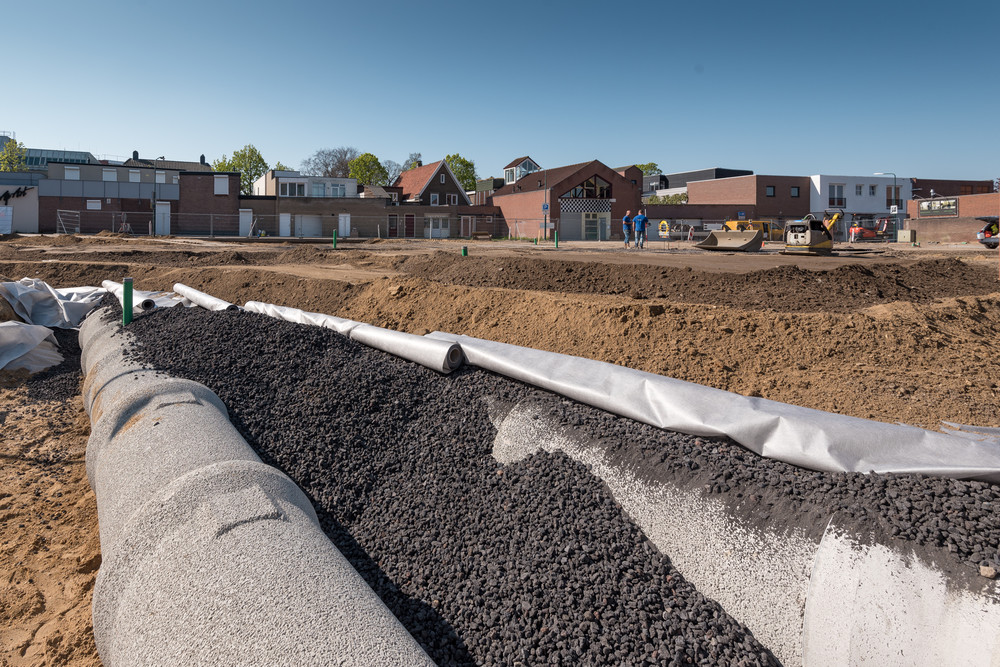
(161, 197)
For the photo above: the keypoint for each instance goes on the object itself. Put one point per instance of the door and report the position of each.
(466, 226)
(162, 218)
(285, 224)
(603, 225)
(310, 225)
(246, 221)
(344, 225)
(393, 230)
(591, 228)
(409, 226)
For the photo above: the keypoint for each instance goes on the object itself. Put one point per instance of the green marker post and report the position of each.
(126, 301)
(556, 233)
(335, 239)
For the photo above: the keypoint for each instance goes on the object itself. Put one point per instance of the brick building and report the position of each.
(951, 219)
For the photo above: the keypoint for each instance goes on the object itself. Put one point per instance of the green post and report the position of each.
(335, 239)
(465, 251)
(126, 301)
(556, 233)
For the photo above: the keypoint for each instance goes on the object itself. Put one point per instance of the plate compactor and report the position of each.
(811, 236)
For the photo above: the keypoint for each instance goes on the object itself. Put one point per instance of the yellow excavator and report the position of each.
(811, 236)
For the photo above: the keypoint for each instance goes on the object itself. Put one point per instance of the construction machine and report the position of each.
(771, 230)
(811, 236)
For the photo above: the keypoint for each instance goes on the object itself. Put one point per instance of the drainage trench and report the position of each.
(503, 524)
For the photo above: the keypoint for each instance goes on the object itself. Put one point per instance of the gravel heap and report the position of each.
(468, 553)
(62, 381)
(528, 563)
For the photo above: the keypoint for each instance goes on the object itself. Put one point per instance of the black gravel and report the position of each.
(531, 562)
(528, 563)
(62, 381)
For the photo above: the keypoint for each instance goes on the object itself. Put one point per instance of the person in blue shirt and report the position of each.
(640, 229)
(627, 226)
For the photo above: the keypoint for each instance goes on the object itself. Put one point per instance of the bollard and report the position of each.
(335, 239)
(126, 301)
(557, 238)
(465, 251)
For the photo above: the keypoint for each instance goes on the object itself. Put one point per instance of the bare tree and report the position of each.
(412, 162)
(330, 162)
(393, 169)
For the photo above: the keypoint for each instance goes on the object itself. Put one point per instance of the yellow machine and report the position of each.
(771, 230)
(810, 236)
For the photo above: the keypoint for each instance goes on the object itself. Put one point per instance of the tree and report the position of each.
(14, 157)
(330, 162)
(249, 162)
(368, 170)
(393, 169)
(281, 167)
(412, 162)
(680, 198)
(649, 168)
(464, 170)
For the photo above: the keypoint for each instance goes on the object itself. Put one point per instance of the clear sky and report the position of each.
(782, 88)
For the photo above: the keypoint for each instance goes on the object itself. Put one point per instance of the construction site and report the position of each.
(497, 452)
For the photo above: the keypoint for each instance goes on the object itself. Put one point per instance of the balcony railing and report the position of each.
(840, 202)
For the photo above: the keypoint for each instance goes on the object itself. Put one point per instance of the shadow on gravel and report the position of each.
(62, 381)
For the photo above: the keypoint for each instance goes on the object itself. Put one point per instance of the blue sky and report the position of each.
(792, 88)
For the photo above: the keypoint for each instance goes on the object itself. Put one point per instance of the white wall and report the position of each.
(25, 209)
(819, 195)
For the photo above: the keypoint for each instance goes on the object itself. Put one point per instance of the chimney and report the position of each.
(135, 155)
(203, 158)
(420, 163)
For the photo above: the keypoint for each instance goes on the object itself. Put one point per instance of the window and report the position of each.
(318, 189)
(837, 195)
(442, 177)
(71, 173)
(134, 176)
(795, 191)
(434, 199)
(292, 190)
(593, 188)
(93, 204)
(891, 200)
(221, 185)
(769, 190)
(161, 177)
(109, 174)
(508, 176)
(338, 190)
(873, 191)
(859, 190)
(453, 200)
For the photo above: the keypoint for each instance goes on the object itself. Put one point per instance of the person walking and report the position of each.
(627, 226)
(640, 229)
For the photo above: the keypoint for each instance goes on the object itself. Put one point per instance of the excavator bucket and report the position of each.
(751, 241)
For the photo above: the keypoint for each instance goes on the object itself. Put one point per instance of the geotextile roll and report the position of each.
(208, 555)
(206, 301)
(441, 356)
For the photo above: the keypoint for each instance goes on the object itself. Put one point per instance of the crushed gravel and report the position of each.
(468, 553)
(528, 563)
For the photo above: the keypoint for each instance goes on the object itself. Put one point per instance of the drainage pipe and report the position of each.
(438, 355)
(206, 301)
(208, 555)
(143, 301)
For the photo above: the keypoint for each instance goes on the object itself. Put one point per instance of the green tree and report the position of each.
(248, 161)
(14, 157)
(280, 167)
(464, 170)
(680, 198)
(368, 170)
(649, 168)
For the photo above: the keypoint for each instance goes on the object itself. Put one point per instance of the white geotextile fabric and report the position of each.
(27, 346)
(437, 355)
(143, 301)
(338, 324)
(801, 436)
(203, 300)
(36, 302)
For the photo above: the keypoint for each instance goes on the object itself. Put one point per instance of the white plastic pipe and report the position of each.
(206, 301)
(142, 301)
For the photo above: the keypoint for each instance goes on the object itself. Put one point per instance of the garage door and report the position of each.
(310, 225)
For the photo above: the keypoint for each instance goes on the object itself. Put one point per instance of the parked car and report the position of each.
(989, 235)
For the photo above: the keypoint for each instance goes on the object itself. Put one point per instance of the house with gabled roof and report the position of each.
(579, 201)
(432, 184)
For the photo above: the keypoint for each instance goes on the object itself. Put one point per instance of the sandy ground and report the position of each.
(887, 332)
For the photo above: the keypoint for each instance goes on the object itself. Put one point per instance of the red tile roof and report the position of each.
(413, 181)
(547, 178)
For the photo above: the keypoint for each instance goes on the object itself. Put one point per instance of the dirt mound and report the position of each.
(785, 288)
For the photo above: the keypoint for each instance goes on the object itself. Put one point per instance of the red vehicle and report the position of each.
(872, 230)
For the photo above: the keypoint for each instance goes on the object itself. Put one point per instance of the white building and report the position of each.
(860, 197)
(294, 184)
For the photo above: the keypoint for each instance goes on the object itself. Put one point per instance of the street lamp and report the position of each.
(895, 197)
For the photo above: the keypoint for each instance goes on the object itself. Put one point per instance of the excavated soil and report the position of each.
(897, 334)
